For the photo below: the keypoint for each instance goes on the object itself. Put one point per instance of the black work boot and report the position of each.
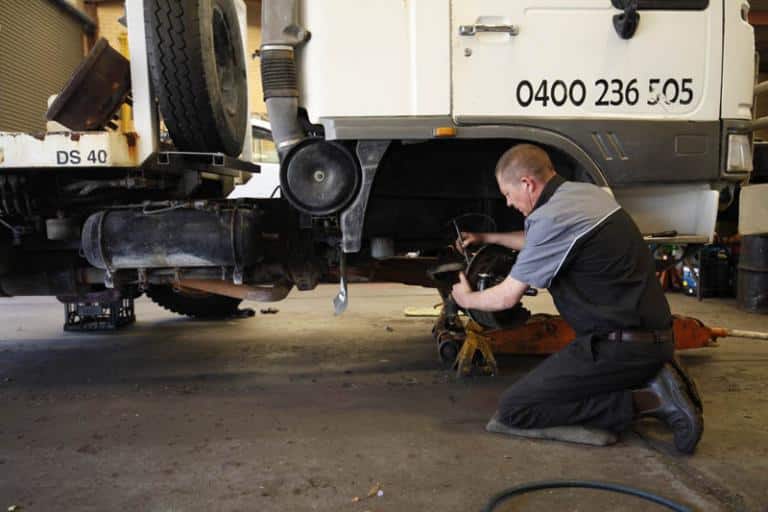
(676, 408)
(693, 390)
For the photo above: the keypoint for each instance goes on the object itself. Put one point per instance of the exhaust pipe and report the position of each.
(317, 177)
(280, 37)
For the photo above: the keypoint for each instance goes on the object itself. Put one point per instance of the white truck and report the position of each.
(388, 117)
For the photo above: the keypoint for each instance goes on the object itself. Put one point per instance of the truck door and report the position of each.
(513, 60)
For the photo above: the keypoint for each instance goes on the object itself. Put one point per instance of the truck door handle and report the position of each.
(471, 30)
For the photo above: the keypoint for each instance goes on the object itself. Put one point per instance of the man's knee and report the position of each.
(514, 412)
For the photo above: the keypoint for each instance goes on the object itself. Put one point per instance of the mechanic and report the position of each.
(581, 245)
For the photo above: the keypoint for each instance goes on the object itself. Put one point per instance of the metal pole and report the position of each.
(755, 335)
(722, 332)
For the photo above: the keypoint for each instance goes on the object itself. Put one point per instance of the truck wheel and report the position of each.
(487, 268)
(198, 70)
(194, 304)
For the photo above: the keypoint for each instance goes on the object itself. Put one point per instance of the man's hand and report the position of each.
(514, 240)
(466, 239)
(461, 291)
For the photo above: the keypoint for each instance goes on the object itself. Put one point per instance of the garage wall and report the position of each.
(39, 50)
(254, 69)
(80, 4)
(107, 14)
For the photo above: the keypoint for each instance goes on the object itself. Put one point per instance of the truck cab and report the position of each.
(651, 99)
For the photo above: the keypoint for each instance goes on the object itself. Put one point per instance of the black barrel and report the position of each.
(171, 238)
(752, 286)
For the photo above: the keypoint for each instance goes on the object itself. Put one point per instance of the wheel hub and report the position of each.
(487, 268)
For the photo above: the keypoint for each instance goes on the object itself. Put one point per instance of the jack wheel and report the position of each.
(447, 350)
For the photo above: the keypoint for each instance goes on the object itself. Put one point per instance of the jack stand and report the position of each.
(470, 348)
(475, 356)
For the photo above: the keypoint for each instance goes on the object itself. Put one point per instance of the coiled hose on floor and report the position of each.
(581, 484)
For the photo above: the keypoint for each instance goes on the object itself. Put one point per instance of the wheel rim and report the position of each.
(226, 62)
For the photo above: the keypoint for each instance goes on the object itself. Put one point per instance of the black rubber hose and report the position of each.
(581, 484)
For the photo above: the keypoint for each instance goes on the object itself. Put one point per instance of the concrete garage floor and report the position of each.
(302, 411)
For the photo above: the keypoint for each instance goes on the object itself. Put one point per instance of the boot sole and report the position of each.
(687, 406)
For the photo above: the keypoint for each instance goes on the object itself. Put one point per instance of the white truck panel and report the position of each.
(383, 58)
(145, 119)
(263, 185)
(688, 209)
(738, 55)
(242, 14)
(753, 210)
(68, 149)
(657, 74)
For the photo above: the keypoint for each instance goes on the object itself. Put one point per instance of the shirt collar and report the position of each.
(549, 190)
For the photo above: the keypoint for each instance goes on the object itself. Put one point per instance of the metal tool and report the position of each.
(341, 301)
(463, 249)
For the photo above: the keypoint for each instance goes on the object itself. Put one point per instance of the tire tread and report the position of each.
(180, 81)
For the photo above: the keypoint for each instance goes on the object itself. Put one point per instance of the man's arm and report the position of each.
(514, 240)
(497, 298)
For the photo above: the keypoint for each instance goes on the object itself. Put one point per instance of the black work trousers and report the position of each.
(586, 383)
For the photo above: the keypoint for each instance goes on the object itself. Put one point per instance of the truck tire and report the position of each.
(196, 305)
(198, 69)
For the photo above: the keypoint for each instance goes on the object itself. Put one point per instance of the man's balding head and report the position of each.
(524, 160)
(522, 173)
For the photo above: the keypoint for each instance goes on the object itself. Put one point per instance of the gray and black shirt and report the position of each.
(588, 252)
